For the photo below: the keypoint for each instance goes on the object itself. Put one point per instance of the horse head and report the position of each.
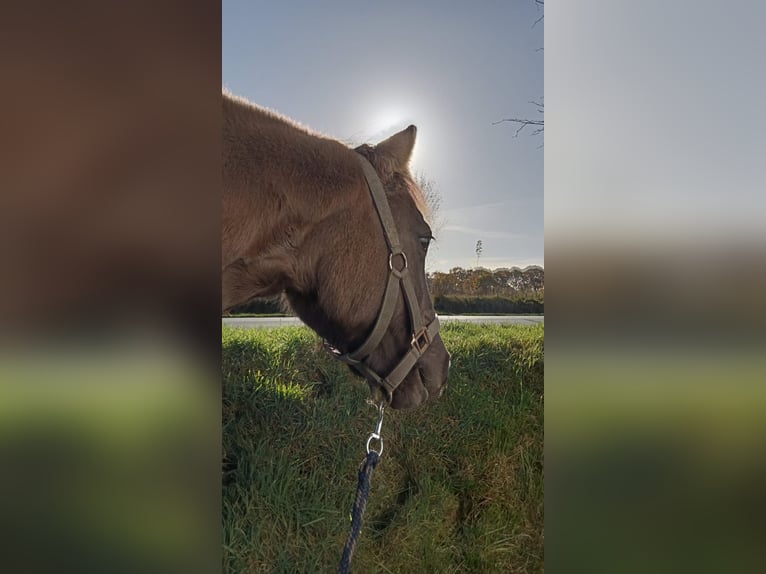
(370, 299)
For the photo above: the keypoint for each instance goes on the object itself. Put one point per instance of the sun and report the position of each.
(387, 119)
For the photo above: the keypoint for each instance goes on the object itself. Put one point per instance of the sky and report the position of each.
(361, 71)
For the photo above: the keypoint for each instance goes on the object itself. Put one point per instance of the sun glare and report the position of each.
(387, 119)
(382, 117)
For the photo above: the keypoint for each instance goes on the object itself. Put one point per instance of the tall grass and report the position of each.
(460, 484)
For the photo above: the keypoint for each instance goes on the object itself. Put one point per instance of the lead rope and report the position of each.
(362, 493)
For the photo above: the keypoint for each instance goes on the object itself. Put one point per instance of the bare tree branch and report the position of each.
(523, 124)
(540, 4)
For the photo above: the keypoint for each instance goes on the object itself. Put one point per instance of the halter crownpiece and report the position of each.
(398, 280)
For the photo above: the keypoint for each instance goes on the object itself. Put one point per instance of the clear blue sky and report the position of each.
(359, 71)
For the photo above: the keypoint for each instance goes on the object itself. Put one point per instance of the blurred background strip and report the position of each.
(656, 270)
(109, 286)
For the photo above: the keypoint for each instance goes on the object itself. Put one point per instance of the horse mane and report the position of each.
(388, 169)
(385, 166)
(243, 109)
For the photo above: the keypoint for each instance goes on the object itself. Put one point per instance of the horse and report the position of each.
(341, 235)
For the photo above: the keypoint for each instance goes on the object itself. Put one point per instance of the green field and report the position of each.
(460, 484)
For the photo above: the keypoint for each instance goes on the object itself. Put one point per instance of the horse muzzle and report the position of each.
(426, 381)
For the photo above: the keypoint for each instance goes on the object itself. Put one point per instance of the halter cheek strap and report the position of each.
(399, 280)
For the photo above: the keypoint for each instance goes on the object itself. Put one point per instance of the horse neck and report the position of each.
(307, 184)
(280, 182)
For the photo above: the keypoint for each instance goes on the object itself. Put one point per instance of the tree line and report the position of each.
(477, 290)
(482, 282)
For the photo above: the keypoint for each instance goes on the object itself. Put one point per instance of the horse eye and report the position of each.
(425, 242)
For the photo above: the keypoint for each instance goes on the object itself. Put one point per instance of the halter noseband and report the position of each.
(398, 277)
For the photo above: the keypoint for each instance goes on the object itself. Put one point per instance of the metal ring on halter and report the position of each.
(391, 261)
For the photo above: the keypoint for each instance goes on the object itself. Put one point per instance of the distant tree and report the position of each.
(484, 282)
(535, 278)
(460, 279)
(479, 249)
(440, 283)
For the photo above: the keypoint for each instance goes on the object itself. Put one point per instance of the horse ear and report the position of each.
(398, 148)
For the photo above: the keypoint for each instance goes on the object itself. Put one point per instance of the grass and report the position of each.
(445, 314)
(264, 315)
(460, 483)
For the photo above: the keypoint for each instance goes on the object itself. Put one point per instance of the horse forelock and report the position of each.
(388, 172)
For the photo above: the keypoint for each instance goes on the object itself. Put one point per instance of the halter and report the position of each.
(398, 279)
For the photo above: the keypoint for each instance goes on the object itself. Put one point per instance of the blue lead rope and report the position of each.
(357, 512)
(362, 493)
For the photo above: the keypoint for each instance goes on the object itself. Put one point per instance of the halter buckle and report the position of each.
(421, 340)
